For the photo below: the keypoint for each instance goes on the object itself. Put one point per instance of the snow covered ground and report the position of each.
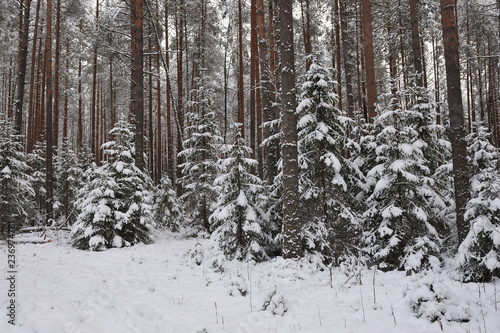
(161, 288)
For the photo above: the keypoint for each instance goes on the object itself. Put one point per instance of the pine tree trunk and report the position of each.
(93, 133)
(80, 111)
(347, 63)
(18, 116)
(33, 86)
(338, 51)
(170, 134)
(371, 90)
(415, 42)
(254, 73)
(56, 75)
(66, 89)
(48, 112)
(137, 80)
(159, 157)
(457, 122)
(291, 222)
(180, 87)
(241, 95)
(265, 89)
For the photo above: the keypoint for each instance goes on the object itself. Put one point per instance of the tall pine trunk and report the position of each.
(18, 116)
(291, 222)
(137, 81)
(457, 121)
(371, 90)
(49, 187)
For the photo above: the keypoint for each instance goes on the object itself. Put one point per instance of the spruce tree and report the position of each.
(167, 206)
(200, 154)
(16, 191)
(116, 205)
(328, 178)
(401, 228)
(69, 179)
(239, 222)
(479, 253)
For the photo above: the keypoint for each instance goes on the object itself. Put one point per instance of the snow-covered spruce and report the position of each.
(167, 206)
(16, 191)
(402, 229)
(328, 178)
(36, 162)
(116, 205)
(69, 179)
(200, 154)
(238, 223)
(479, 253)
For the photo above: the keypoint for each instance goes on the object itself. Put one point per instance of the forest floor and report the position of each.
(161, 288)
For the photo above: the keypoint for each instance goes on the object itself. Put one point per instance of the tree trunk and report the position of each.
(347, 63)
(33, 86)
(371, 90)
(48, 112)
(457, 123)
(241, 95)
(170, 134)
(93, 101)
(56, 75)
(159, 157)
(180, 87)
(338, 51)
(415, 42)
(137, 80)
(291, 222)
(80, 111)
(18, 116)
(254, 76)
(265, 88)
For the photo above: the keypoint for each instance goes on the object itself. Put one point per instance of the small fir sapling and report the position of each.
(238, 222)
(200, 152)
(16, 190)
(402, 229)
(167, 210)
(479, 253)
(116, 204)
(329, 180)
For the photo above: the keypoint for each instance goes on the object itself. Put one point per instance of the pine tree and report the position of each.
(116, 205)
(328, 178)
(238, 223)
(401, 229)
(16, 191)
(200, 155)
(479, 253)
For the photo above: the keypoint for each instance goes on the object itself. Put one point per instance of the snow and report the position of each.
(161, 288)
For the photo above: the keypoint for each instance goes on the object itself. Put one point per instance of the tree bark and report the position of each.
(415, 42)
(241, 95)
(291, 222)
(371, 90)
(180, 87)
(347, 64)
(137, 80)
(56, 75)
(457, 123)
(93, 133)
(49, 187)
(18, 116)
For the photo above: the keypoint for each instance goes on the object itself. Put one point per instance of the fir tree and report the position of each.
(15, 183)
(401, 229)
(479, 253)
(200, 154)
(116, 205)
(69, 178)
(328, 178)
(238, 223)
(36, 161)
(167, 206)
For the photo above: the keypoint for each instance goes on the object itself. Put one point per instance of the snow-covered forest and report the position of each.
(250, 165)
